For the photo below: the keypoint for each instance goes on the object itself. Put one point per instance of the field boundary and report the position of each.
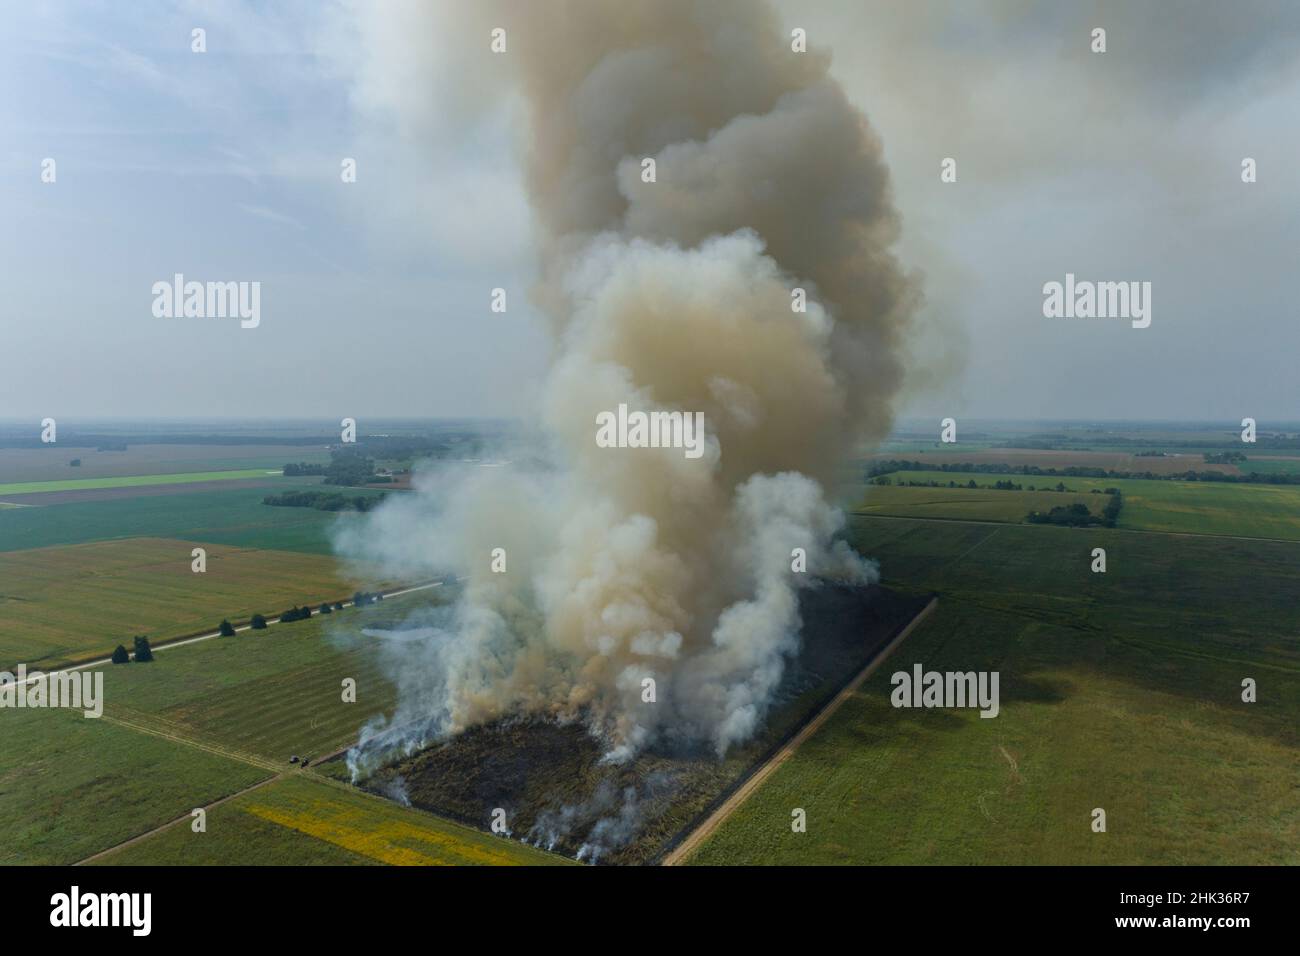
(691, 842)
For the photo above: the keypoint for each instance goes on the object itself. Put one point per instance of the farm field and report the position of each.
(233, 516)
(302, 820)
(1119, 691)
(1271, 465)
(1192, 507)
(1172, 462)
(71, 786)
(197, 723)
(268, 694)
(71, 602)
(973, 504)
(129, 481)
(50, 462)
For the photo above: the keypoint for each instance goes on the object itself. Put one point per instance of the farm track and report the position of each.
(189, 816)
(696, 837)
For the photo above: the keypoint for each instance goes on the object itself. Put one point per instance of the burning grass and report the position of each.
(558, 793)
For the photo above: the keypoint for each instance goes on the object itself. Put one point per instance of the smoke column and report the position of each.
(672, 295)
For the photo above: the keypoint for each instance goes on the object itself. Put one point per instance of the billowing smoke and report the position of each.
(624, 565)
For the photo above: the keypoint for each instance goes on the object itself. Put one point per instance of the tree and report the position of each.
(227, 629)
(120, 656)
(143, 652)
(326, 609)
(258, 622)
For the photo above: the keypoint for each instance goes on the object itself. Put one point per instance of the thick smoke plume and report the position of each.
(672, 295)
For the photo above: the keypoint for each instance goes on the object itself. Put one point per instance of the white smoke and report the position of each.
(628, 565)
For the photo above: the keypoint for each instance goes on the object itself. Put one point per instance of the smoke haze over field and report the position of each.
(675, 295)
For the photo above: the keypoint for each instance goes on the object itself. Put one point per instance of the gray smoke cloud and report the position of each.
(631, 564)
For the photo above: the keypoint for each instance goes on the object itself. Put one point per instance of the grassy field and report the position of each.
(234, 516)
(1271, 466)
(972, 504)
(299, 820)
(198, 723)
(65, 603)
(71, 786)
(1170, 463)
(268, 694)
(1119, 691)
(1250, 510)
(50, 462)
(129, 481)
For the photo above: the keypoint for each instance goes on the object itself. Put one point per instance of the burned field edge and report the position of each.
(558, 794)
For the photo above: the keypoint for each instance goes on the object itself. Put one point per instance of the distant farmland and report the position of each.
(975, 504)
(63, 603)
(232, 516)
(51, 462)
(127, 481)
(1167, 464)
(1194, 507)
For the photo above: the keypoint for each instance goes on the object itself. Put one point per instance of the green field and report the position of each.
(131, 481)
(1192, 507)
(71, 786)
(197, 723)
(1271, 466)
(267, 694)
(299, 820)
(965, 503)
(1119, 691)
(52, 462)
(68, 603)
(234, 516)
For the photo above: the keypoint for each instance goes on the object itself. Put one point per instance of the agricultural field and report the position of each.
(1119, 691)
(267, 694)
(13, 489)
(299, 820)
(1191, 507)
(1173, 462)
(51, 462)
(77, 601)
(984, 504)
(232, 516)
(71, 786)
(200, 722)
(1271, 465)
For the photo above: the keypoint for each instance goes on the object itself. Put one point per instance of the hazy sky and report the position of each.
(225, 165)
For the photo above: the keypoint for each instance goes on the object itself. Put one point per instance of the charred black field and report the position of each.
(556, 792)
